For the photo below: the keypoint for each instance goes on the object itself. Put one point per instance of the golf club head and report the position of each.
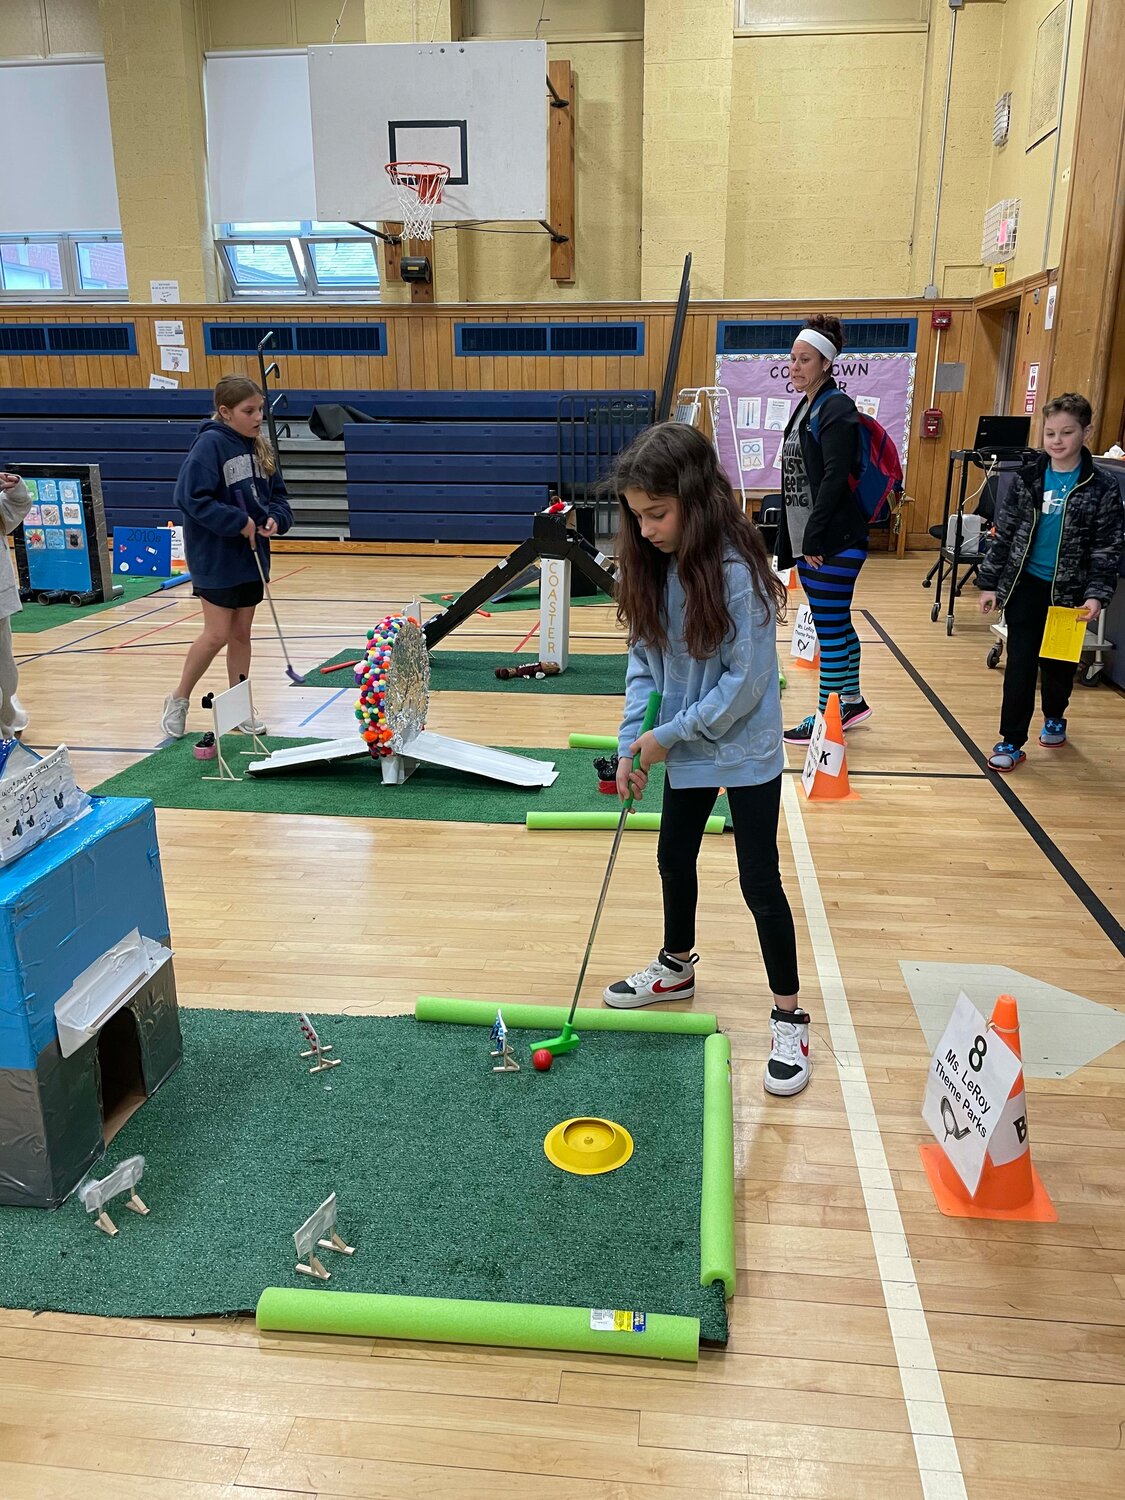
(568, 1040)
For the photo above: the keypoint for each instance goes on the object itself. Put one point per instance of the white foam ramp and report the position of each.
(319, 754)
(482, 760)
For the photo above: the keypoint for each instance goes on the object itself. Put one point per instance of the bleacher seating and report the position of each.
(431, 465)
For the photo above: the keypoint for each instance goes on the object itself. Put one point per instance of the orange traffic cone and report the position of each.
(1010, 1187)
(825, 776)
(800, 665)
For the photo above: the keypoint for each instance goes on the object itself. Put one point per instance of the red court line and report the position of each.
(156, 629)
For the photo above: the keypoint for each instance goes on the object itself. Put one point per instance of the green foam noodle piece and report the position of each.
(545, 1017)
(638, 822)
(716, 1214)
(593, 742)
(445, 1320)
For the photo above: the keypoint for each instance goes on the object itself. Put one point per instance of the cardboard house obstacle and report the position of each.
(89, 1025)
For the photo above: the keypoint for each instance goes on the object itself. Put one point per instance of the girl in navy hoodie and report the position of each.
(233, 500)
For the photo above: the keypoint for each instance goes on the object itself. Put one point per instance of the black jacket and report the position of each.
(835, 521)
(1089, 544)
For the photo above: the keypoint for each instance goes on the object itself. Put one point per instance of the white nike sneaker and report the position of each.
(666, 978)
(174, 722)
(256, 725)
(789, 1067)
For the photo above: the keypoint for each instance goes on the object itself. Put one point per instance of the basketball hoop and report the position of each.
(418, 186)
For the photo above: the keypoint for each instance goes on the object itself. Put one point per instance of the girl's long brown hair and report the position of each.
(230, 391)
(674, 459)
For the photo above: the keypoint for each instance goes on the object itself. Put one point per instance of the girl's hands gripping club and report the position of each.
(631, 778)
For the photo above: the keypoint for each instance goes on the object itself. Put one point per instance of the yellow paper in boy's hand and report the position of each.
(1063, 635)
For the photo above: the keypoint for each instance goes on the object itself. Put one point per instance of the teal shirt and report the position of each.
(1042, 557)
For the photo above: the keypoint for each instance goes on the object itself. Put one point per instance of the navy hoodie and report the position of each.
(219, 485)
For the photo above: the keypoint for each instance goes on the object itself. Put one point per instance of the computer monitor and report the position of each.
(997, 434)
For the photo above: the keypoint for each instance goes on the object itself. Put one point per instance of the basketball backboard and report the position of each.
(478, 107)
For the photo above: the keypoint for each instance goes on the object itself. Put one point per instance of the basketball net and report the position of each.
(418, 188)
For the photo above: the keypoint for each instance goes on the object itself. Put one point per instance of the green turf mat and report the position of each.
(475, 672)
(243, 1143)
(33, 618)
(172, 777)
(522, 599)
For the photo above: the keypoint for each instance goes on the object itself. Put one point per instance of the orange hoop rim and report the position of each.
(425, 178)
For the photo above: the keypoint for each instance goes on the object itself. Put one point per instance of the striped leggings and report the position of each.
(829, 590)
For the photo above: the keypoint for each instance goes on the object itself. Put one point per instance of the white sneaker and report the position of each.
(789, 1067)
(255, 725)
(174, 722)
(17, 721)
(666, 978)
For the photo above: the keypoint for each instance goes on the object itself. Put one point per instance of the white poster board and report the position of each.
(971, 1075)
(804, 645)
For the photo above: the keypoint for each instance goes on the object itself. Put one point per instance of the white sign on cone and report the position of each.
(804, 645)
(971, 1075)
(823, 755)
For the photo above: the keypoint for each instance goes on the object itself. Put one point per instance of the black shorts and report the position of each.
(241, 596)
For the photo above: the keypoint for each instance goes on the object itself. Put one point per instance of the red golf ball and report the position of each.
(542, 1059)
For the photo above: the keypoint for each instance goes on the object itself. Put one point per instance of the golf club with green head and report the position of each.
(568, 1039)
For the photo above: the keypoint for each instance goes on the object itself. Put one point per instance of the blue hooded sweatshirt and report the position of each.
(219, 485)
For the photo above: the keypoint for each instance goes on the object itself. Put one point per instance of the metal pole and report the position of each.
(941, 157)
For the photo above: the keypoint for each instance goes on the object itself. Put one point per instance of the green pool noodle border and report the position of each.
(716, 1210)
(640, 822)
(446, 1320)
(593, 742)
(545, 1017)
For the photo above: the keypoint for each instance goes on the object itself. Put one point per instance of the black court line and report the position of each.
(1088, 897)
(905, 775)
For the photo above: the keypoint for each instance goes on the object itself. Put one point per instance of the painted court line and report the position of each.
(323, 706)
(939, 1464)
(1088, 897)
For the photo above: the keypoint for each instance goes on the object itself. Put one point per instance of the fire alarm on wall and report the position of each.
(931, 422)
(941, 317)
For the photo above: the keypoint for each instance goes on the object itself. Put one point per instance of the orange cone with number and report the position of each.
(1010, 1187)
(824, 786)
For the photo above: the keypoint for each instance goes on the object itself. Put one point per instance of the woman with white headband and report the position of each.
(822, 529)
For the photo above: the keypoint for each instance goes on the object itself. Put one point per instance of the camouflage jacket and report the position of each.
(1090, 544)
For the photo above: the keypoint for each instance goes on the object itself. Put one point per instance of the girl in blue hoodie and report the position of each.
(233, 500)
(701, 603)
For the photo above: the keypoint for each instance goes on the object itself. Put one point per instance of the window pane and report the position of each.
(101, 266)
(262, 264)
(347, 230)
(30, 268)
(345, 263)
(280, 226)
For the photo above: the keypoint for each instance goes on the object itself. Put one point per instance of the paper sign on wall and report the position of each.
(777, 413)
(752, 452)
(169, 332)
(804, 645)
(164, 291)
(162, 383)
(1049, 314)
(824, 755)
(174, 357)
(749, 411)
(971, 1075)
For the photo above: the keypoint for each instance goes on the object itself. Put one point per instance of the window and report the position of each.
(780, 16)
(298, 258)
(56, 266)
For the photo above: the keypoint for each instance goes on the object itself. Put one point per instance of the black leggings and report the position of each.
(754, 812)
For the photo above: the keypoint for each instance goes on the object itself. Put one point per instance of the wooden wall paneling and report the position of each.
(1109, 423)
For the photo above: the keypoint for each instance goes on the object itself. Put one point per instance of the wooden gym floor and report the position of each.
(830, 1388)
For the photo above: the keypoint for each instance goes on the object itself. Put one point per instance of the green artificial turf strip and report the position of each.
(33, 618)
(522, 599)
(475, 672)
(243, 1143)
(172, 777)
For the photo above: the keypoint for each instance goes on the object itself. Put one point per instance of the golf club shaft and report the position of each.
(269, 601)
(652, 712)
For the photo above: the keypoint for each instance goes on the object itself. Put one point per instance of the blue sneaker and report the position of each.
(802, 734)
(1053, 732)
(1005, 757)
